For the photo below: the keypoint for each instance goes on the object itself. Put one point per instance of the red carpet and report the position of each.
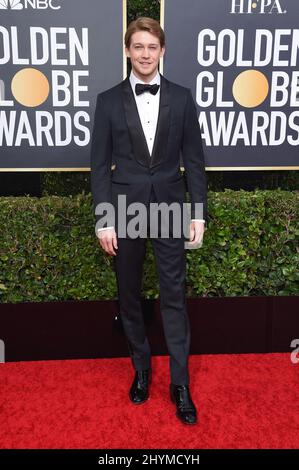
(244, 401)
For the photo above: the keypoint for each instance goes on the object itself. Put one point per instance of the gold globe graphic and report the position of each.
(30, 87)
(250, 88)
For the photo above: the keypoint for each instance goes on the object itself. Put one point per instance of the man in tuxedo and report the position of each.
(142, 126)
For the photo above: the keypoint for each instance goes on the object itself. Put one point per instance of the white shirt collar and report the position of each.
(133, 80)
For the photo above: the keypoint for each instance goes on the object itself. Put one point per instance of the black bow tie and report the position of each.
(140, 88)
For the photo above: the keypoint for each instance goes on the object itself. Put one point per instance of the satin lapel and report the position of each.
(161, 137)
(140, 148)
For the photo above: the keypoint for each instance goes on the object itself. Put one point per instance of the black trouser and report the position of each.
(171, 266)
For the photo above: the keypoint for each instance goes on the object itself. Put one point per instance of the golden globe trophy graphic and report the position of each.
(30, 87)
(250, 88)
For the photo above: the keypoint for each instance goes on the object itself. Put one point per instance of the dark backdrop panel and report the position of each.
(89, 43)
(198, 29)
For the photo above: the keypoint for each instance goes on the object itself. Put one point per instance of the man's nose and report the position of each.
(145, 53)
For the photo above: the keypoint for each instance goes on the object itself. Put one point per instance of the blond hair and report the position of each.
(143, 23)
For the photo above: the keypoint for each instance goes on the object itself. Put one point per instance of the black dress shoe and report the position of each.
(186, 411)
(139, 391)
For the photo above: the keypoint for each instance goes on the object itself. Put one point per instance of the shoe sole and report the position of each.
(139, 402)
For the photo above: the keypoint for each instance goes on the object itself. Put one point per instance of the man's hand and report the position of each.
(197, 229)
(108, 240)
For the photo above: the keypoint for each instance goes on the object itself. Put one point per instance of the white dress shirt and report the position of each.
(148, 110)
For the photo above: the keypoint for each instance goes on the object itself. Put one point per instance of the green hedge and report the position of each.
(64, 183)
(48, 250)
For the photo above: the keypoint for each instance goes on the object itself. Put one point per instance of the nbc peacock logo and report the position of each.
(29, 4)
(11, 5)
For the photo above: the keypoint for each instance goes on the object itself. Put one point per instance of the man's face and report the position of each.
(145, 52)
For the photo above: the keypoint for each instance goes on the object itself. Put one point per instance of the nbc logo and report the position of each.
(26, 4)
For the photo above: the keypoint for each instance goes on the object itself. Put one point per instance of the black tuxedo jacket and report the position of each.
(118, 141)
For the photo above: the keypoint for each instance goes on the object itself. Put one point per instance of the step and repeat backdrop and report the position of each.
(55, 56)
(240, 59)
